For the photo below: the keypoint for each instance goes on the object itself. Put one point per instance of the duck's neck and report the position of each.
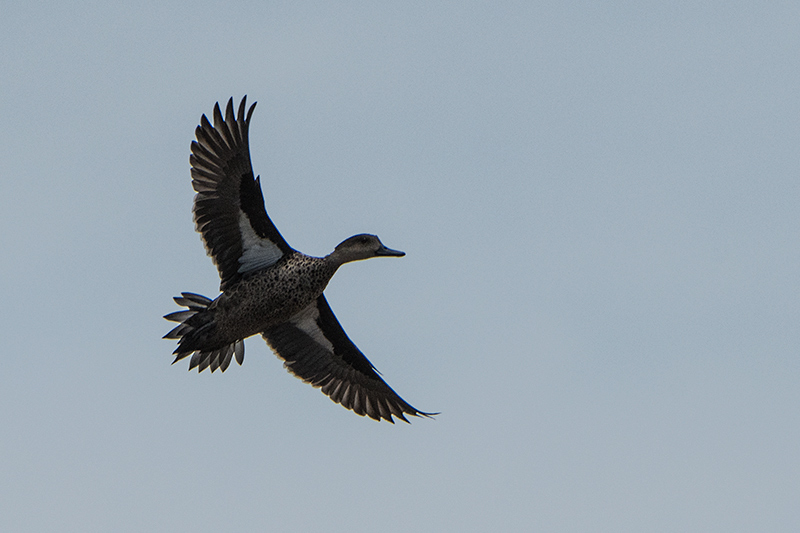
(339, 257)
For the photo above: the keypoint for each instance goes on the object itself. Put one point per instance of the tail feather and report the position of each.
(178, 332)
(180, 316)
(193, 324)
(192, 300)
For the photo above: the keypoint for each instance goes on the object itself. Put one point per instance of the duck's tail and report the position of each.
(195, 326)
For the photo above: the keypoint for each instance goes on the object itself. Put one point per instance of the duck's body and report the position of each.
(266, 298)
(267, 286)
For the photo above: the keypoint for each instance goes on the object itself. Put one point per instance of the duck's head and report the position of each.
(362, 246)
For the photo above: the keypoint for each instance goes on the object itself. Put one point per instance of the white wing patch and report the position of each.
(258, 252)
(306, 320)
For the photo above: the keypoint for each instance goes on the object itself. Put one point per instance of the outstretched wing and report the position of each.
(316, 349)
(229, 207)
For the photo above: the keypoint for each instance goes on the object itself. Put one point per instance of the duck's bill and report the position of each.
(389, 252)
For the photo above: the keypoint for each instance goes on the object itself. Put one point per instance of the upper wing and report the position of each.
(229, 207)
(317, 350)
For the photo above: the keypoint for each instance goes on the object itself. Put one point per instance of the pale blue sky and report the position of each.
(599, 203)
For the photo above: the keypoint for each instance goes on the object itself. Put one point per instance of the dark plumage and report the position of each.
(267, 286)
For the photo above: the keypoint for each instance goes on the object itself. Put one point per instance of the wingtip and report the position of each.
(418, 414)
(249, 111)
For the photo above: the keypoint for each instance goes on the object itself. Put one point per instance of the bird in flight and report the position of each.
(268, 287)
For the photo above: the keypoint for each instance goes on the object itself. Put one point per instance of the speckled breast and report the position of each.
(272, 296)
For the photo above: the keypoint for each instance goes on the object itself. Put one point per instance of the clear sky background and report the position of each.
(599, 203)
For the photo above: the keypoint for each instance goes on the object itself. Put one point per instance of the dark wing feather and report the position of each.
(229, 206)
(316, 349)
